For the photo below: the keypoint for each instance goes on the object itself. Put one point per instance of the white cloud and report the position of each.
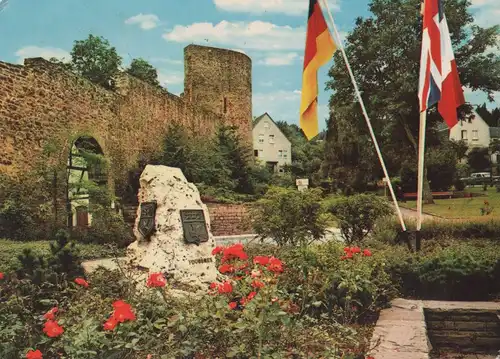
(288, 7)
(170, 78)
(282, 59)
(45, 52)
(145, 21)
(486, 12)
(256, 35)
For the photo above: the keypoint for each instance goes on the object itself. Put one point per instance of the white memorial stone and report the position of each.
(166, 250)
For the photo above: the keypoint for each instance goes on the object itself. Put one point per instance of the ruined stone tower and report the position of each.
(220, 81)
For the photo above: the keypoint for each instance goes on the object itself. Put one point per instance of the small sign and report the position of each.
(302, 182)
(146, 225)
(194, 226)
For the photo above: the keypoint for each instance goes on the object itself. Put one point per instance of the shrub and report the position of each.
(456, 272)
(289, 216)
(357, 214)
(16, 220)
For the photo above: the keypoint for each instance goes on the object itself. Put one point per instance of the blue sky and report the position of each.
(271, 32)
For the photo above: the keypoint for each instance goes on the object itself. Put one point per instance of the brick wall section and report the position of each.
(220, 81)
(41, 101)
(225, 219)
(229, 219)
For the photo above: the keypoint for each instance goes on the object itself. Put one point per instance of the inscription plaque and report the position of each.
(147, 219)
(194, 226)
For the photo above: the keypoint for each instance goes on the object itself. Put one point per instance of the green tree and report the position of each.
(236, 158)
(95, 59)
(384, 53)
(307, 156)
(143, 70)
(478, 159)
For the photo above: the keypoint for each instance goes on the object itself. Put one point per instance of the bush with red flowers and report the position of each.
(247, 312)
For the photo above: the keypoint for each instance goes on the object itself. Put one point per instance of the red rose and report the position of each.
(217, 250)
(123, 314)
(50, 315)
(213, 285)
(82, 282)
(264, 261)
(356, 250)
(2, 276)
(251, 295)
(275, 265)
(225, 287)
(110, 324)
(234, 252)
(367, 253)
(258, 284)
(52, 329)
(156, 280)
(121, 304)
(347, 249)
(233, 305)
(123, 311)
(37, 354)
(226, 268)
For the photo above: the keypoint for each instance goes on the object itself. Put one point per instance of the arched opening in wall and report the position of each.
(86, 176)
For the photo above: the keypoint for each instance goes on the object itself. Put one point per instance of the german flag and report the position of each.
(320, 48)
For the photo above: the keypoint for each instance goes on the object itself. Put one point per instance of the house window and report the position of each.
(266, 124)
(261, 138)
(285, 153)
(464, 135)
(475, 136)
(271, 138)
(260, 153)
(281, 170)
(280, 154)
(256, 153)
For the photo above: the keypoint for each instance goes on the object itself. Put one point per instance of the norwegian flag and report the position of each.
(439, 80)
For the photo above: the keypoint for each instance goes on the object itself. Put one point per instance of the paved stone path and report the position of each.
(401, 331)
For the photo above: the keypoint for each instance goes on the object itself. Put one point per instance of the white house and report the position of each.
(271, 147)
(476, 133)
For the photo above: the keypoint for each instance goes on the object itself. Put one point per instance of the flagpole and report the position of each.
(365, 114)
(420, 175)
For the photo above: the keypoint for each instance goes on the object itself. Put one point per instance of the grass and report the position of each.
(9, 250)
(460, 208)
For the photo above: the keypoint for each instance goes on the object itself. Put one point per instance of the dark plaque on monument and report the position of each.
(147, 219)
(194, 226)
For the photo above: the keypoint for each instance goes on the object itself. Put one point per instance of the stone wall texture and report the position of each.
(229, 219)
(220, 81)
(41, 102)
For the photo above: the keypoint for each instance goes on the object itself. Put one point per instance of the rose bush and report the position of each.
(247, 313)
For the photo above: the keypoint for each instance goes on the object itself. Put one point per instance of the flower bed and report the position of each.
(248, 313)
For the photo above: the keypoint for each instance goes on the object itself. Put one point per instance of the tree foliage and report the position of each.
(384, 53)
(307, 156)
(478, 160)
(143, 70)
(492, 118)
(95, 59)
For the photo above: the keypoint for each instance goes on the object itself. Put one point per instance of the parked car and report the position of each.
(480, 178)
